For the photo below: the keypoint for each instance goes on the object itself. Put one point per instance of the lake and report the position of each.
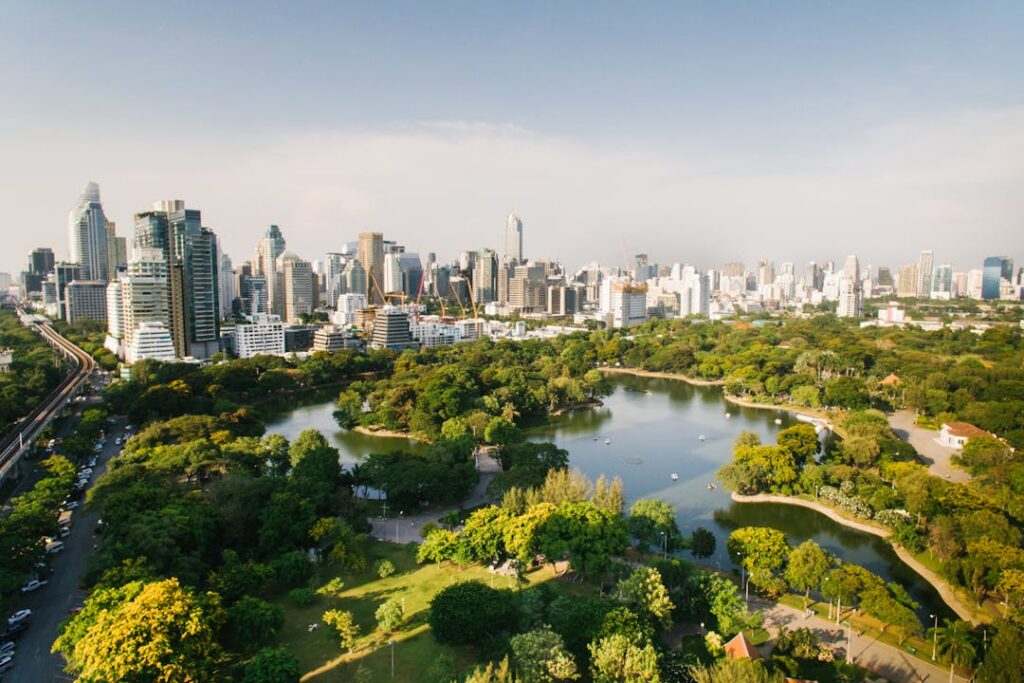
(654, 428)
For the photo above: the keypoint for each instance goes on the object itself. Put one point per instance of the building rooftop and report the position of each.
(741, 648)
(964, 429)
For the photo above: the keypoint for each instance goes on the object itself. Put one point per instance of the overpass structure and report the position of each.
(21, 438)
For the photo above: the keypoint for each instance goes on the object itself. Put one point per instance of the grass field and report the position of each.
(414, 649)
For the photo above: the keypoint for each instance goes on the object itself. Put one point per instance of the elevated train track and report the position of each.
(19, 439)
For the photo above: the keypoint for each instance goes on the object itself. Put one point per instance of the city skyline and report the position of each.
(697, 134)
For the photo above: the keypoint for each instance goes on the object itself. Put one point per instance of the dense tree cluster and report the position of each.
(203, 520)
(33, 374)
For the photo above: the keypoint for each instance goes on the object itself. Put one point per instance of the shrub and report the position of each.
(469, 613)
(302, 596)
(384, 568)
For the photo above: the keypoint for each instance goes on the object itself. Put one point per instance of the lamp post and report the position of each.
(743, 578)
(392, 643)
(664, 545)
(935, 634)
(400, 513)
(849, 640)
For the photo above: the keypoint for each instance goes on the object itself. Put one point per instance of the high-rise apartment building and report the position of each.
(485, 278)
(907, 285)
(391, 330)
(942, 283)
(87, 235)
(190, 252)
(512, 240)
(355, 278)
(228, 284)
(117, 251)
(86, 300)
(297, 276)
(263, 334)
(925, 274)
(371, 256)
(392, 282)
(40, 264)
(850, 302)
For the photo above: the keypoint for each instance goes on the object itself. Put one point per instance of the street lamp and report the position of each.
(392, 643)
(664, 545)
(849, 640)
(935, 634)
(400, 513)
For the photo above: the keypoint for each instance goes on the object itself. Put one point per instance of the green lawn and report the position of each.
(320, 658)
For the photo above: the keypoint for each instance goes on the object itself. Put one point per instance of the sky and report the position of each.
(693, 132)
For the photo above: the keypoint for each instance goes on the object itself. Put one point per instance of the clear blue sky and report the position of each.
(695, 132)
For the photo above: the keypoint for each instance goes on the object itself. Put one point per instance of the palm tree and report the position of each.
(954, 641)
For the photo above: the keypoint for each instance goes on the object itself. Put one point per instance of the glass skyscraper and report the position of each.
(87, 235)
(996, 269)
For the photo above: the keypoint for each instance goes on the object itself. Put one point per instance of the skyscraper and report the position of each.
(512, 240)
(297, 276)
(87, 234)
(117, 251)
(270, 247)
(190, 252)
(925, 274)
(996, 269)
(371, 256)
(40, 263)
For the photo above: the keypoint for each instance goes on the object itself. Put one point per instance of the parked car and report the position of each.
(33, 585)
(6, 663)
(118, 441)
(14, 630)
(54, 547)
(91, 462)
(64, 531)
(19, 616)
(85, 472)
(72, 505)
(7, 648)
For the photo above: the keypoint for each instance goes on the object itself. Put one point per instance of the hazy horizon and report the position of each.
(694, 133)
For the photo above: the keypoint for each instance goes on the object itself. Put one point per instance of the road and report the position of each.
(11, 444)
(925, 442)
(33, 662)
(885, 660)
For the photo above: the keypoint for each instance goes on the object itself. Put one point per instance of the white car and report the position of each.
(20, 615)
(6, 662)
(71, 505)
(7, 649)
(33, 585)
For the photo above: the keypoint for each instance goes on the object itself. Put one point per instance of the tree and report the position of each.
(608, 496)
(500, 431)
(646, 594)
(806, 568)
(734, 671)
(164, 633)
(954, 642)
(801, 440)
(252, 623)
(541, 656)
(724, 602)
(344, 626)
(438, 546)
(588, 535)
(384, 568)
(500, 673)
(616, 660)
(349, 408)
(390, 615)
(470, 612)
(1004, 659)
(763, 552)
(702, 542)
(272, 665)
(652, 520)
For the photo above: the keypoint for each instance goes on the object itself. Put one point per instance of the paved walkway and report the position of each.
(926, 443)
(883, 659)
(406, 528)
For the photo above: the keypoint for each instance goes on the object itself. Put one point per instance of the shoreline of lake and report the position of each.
(789, 408)
(945, 591)
(388, 433)
(663, 375)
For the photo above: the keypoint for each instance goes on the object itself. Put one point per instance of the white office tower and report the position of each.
(392, 273)
(975, 278)
(924, 274)
(115, 320)
(623, 303)
(830, 286)
(228, 285)
(849, 299)
(348, 304)
(262, 335)
(512, 240)
(694, 293)
(151, 341)
(87, 235)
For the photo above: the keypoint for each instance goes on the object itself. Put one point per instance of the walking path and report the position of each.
(881, 658)
(944, 590)
(926, 443)
(662, 375)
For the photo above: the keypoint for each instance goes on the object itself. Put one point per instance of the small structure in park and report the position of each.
(6, 358)
(741, 648)
(957, 434)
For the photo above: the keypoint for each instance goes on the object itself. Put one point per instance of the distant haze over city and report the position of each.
(695, 134)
